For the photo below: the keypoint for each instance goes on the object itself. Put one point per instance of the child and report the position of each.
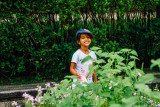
(84, 37)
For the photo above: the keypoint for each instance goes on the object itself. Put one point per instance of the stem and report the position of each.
(99, 102)
(142, 66)
(127, 59)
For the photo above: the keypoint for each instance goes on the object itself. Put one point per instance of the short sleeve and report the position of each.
(94, 55)
(75, 57)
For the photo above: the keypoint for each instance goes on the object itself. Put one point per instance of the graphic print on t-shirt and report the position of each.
(85, 70)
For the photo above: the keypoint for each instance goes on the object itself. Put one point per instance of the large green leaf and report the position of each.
(155, 63)
(129, 102)
(126, 81)
(155, 95)
(71, 76)
(95, 48)
(146, 78)
(46, 97)
(100, 61)
(91, 70)
(134, 53)
(115, 105)
(87, 58)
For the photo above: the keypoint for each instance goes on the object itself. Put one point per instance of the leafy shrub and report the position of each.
(114, 88)
(30, 29)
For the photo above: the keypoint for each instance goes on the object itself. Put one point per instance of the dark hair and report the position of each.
(79, 36)
(78, 39)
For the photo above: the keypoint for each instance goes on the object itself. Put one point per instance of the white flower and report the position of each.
(141, 97)
(155, 89)
(111, 81)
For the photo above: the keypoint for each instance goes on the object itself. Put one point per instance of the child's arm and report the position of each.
(94, 74)
(72, 69)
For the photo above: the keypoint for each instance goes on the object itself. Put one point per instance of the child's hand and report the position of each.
(78, 74)
(83, 79)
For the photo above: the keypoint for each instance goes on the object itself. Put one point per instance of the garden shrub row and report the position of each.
(38, 37)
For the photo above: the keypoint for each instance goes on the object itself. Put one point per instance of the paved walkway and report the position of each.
(16, 91)
(10, 93)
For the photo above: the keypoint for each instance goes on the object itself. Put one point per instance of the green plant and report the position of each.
(32, 38)
(120, 83)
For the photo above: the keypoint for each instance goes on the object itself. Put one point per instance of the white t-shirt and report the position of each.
(83, 69)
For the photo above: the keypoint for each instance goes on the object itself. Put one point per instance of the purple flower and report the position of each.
(38, 99)
(14, 103)
(96, 98)
(134, 94)
(25, 95)
(139, 74)
(116, 84)
(31, 98)
(60, 101)
(65, 95)
(110, 87)
(56, 84)
(53, 83)
(47, 85)
(51, 92)
(57, 97)
(39, 89)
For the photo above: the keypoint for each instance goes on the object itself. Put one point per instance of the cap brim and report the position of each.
(90, 35)
(81, 32)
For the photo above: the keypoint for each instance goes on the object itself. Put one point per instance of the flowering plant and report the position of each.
(119, 84)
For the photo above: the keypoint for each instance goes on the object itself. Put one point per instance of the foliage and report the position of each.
(155, 63)
(120, 84)
(38, 37)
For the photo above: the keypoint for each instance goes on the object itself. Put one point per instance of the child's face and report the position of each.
(85, 40)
